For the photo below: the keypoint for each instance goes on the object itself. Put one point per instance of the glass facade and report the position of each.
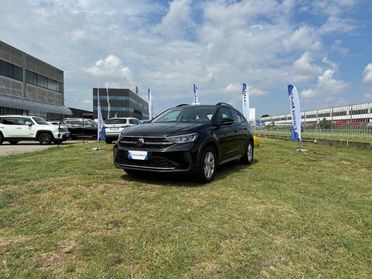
(10, 70)
(119, 103)
(41, 81)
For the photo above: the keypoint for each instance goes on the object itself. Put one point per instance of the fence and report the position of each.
(347, 133)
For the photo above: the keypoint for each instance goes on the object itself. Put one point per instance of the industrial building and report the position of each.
(30, 86)
(356, 115)
(119, 102)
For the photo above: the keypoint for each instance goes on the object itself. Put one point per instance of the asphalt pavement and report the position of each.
(26, 146)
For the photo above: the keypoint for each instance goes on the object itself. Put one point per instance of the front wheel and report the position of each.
(1, 138)
(13, 141)
(207, 165)
(108, 141)
(248, 155)
(45, 138)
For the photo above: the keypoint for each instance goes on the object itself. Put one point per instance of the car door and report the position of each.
(25, 130)
(241, 130)
(10, 127)
(225, 134)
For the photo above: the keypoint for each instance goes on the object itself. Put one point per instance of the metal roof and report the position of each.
(26, 104)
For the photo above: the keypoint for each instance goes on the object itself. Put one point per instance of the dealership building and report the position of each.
(119, 102)
(29, 86)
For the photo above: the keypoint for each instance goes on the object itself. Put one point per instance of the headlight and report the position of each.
(183, 138)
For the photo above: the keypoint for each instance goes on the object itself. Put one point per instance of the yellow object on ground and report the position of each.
(256, 142)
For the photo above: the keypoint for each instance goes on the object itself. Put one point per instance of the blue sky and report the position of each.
(324, 47)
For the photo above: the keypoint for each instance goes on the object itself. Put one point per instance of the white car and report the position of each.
(14, 128)
(114, 126)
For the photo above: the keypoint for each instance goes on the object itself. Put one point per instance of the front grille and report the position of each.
(148, 142)
(168, 160)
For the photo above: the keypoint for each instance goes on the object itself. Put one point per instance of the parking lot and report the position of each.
(26, 146)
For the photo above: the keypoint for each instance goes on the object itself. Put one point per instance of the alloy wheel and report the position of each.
(209, 164)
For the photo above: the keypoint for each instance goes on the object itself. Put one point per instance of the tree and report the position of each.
(325, 124)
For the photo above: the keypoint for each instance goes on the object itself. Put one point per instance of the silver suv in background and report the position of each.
(114, 126)
(15, 128)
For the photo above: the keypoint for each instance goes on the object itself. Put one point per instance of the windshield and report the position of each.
(41, 121)
(193, 114)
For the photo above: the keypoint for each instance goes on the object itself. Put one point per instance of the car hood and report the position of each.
(162, 129)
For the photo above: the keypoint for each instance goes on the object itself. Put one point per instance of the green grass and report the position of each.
(342, 134)
(68, 213)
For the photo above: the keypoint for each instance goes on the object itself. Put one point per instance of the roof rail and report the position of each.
(224, 104)
(181, 105)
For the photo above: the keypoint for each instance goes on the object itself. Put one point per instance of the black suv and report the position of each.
(186, 138)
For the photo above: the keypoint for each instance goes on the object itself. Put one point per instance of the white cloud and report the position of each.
(304, 69)
(308, 93)
(77, 35)
(177, 21)
(367, 73)
(329, 85)
(305, 37)
(336, 24)
(368, 94)
(233, 88)
(110, 67)
(326, 85)
(337, 47)
(169, 45)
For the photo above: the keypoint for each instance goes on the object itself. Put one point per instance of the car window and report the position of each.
(116, 121)
(15, 120)
(224, 113)
(235, 116)
(133, 121)
(74, 122)
(40, 121)
(89, 123)
(193, 114)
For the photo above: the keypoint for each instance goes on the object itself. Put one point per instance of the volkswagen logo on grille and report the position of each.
(140, 142)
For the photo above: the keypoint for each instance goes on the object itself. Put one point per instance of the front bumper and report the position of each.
(175, 158)
(63, 136)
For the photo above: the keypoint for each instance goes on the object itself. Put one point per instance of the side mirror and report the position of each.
(226, 121)
(28, 123)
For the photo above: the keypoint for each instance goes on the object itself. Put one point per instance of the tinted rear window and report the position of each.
(133, 121)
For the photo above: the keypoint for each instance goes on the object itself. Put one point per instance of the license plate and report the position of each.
(137, 155)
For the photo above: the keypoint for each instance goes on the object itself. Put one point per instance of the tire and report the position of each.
(207, 165)
(108, 141)
(13, 141)
(45, 138)
(249, 154)
(1, 138)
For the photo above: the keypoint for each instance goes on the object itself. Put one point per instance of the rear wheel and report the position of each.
(13, 141)
(108, 141)
(207, 165)
(248, 156)
(45, 138)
